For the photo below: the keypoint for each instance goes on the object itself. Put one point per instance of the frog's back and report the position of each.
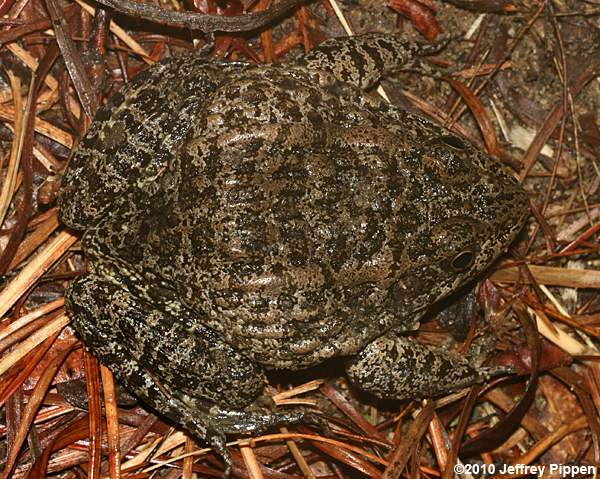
(135, 137)
(303, 240)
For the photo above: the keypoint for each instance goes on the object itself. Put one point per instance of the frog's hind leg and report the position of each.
(213, 385)
(92, 303)
(363, 60)
(394, 367)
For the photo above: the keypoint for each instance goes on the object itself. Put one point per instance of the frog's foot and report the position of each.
(395, 367)
(418, 63)
(191, 415)
(363, 60)
(257, 421)
(186, 412)
(233, 421)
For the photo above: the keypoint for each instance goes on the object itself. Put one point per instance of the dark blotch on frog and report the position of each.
(240, 218)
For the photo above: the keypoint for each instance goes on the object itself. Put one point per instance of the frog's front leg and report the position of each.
(362, 60)
(394, 367)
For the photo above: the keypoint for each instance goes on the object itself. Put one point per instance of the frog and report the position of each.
(239, 218)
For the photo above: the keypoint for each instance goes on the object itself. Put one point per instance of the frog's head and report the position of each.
(465, 210)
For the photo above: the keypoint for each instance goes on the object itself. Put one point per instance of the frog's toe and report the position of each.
(265, 402)
(439, 43)
(215, 437)
(319, 422)
(289, 415)
(301, 415)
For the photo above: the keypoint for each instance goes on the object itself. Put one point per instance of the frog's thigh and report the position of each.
(88, 300)
(394, 367)
(191, 360)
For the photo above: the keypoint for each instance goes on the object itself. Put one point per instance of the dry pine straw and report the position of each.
(47, 246)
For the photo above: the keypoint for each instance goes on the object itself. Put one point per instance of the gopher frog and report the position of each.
(240, 218)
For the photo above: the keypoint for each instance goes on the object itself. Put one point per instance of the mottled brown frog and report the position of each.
(240, 218)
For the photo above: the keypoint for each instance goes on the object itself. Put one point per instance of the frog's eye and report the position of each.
(462, 261)
(453, 142)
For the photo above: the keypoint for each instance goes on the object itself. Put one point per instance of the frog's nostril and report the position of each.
(462, 261)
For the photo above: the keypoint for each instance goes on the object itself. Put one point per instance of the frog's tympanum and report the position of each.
(240, 218)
